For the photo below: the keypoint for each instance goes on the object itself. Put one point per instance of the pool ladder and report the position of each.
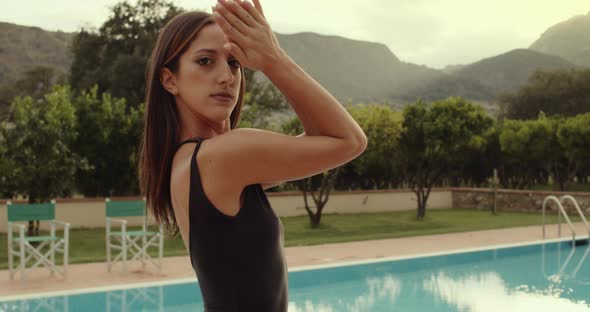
(558, 276)
(561, 211)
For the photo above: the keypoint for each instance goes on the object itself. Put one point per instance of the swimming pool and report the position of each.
(549, 276)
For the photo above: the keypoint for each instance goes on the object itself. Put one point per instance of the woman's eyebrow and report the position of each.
(212, 51)
(206, 50)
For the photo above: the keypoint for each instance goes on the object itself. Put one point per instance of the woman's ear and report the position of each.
(168, 81)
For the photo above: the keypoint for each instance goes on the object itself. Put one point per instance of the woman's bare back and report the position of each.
(227, 198)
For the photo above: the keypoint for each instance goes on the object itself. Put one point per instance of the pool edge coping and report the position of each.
(58, 293)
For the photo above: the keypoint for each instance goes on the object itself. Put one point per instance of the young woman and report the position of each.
(204, 178)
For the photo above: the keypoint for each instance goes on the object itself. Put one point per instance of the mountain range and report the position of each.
(354, 70)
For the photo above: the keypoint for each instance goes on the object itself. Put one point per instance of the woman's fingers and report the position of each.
(229, 29)
(234, 20)
(248, 34)
(258, 7)
(254, 12)
(240, 12)
(236, 51)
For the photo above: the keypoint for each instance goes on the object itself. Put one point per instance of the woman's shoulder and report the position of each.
(210, 178)
(206, 153)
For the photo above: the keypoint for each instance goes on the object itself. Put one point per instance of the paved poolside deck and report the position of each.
(95, 275)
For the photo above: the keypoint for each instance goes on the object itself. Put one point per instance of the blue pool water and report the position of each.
(552, 277)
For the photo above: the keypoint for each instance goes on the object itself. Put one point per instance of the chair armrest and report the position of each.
(62, 223)
(11, 225)
(118, 220)
(20, 227)
(66, 227)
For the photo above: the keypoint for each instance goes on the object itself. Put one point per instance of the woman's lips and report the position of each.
(222, 98)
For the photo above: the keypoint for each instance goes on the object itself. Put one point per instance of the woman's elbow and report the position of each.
(362, 143)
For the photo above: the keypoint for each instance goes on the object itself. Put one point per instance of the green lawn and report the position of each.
(88, 245)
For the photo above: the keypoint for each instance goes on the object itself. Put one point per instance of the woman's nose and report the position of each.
(226, 75)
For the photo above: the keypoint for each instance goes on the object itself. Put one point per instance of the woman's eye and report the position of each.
(203, 59)
(235, 63)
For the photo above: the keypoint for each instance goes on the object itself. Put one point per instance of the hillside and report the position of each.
(569, 39)
(351, 69)
(23, 48)
(508, 71)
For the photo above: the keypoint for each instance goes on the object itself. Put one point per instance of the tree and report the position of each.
(261, 99)
(534, 149)
(434, 138)
(560, 92)
(7, 178)
(86, 69)
(115, 56)
(573, 137)
(319, 185)
(479, 164)
(526, 151)
(476, 163)
(38, 143)
(109, 133)
(379, 166)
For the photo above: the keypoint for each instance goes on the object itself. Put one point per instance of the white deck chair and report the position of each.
(43, 253)
(132, 245)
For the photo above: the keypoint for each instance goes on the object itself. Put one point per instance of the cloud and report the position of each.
(487, 292)
(439, 33)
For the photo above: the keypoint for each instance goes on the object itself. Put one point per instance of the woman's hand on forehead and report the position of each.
(251, 40)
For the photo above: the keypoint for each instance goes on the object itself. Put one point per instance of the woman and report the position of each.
(204, 178)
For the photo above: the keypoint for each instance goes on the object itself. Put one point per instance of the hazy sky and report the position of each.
(431, 32)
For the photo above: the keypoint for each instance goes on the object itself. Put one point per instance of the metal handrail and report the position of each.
(561, 211)
(565, 197)
(562, 268)
(581, 261)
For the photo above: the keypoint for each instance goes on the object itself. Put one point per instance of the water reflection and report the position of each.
(563, 272)
(378, 289)
(483, 292)
(136, 299)
(53, 304)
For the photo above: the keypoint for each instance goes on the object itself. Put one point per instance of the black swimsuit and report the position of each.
(239, 260)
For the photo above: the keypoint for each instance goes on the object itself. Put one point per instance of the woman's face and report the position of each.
(205, 69)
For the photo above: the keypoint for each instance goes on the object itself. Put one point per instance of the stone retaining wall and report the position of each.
(515, 200)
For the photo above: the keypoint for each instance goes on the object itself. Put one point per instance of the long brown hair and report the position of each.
(161, 131)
